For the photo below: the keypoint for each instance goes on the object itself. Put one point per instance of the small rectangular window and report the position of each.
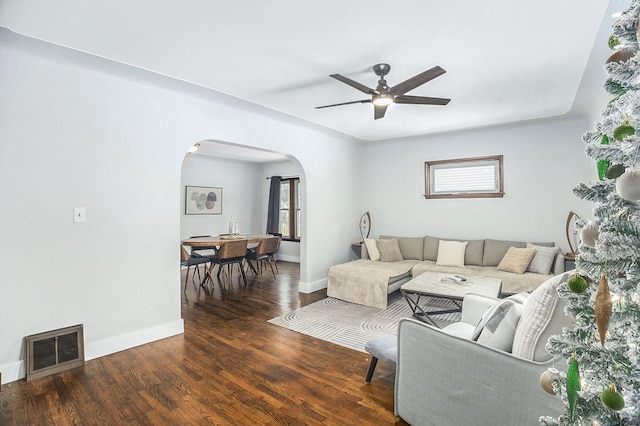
(478, 177)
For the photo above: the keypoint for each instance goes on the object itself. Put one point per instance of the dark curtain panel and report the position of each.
(273, 212)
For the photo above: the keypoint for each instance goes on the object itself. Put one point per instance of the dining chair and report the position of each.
(264, 252)
(273, 255)
(190, 260)
(231, 253)
(210, 250)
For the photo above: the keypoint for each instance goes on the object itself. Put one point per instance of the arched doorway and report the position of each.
(241, 173)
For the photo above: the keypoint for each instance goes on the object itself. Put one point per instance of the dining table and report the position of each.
(216, 241)
(219, 240)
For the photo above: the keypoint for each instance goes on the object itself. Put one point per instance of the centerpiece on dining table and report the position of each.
(233, 231)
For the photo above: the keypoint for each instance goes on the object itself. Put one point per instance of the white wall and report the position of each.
(289, 250)
(241, 185)
(543, 161)
(77, 130)
(591, 98)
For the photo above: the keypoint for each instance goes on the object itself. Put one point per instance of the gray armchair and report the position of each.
(444, 378)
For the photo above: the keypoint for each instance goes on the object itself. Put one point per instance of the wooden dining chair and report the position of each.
(264, 253)
(231, 253)
(189, 260)
(208, 250)
(273, 255)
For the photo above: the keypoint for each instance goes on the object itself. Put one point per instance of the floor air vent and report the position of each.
(54, 351)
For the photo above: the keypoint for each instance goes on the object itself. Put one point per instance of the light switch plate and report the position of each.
(79, 215)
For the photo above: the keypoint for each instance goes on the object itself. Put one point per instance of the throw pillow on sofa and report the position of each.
(543, 259)
(411, 248)
(451, 253)
(516, 260)
(389, 250)
(372, 249)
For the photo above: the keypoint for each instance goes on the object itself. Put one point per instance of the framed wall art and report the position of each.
(202, 200)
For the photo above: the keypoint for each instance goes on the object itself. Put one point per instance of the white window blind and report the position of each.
(472, 177)
(464, 179)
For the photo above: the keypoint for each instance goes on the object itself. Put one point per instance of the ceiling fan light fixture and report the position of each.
(383, 95)
(382, 100)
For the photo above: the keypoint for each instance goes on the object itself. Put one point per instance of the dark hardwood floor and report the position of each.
(230, 367)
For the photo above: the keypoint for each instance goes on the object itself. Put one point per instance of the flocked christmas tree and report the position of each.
(602, 382)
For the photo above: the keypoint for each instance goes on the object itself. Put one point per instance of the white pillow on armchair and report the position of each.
(473, 308)
(489, 321)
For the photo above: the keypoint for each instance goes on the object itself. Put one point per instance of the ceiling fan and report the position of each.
(383, 95)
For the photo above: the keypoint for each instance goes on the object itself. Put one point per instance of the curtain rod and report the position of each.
(285, 177)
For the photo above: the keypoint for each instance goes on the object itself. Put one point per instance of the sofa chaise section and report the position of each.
(368, 282)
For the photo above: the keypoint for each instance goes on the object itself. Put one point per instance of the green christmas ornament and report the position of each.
(573, 386)
(623, 131)
(615, 171)
(613, 42)
(611, 398)
(603, 165)
(577, 283)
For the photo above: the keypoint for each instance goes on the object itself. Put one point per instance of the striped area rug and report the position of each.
(352, 325)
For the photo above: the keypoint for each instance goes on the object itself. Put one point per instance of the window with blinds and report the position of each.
(290, 202)
(478, 177)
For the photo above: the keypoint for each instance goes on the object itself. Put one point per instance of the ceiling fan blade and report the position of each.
(423, 100)
(379, 110)
(361, 87)
(416, 80)
(363, 101)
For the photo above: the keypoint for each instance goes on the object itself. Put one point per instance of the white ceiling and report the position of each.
(506, 60)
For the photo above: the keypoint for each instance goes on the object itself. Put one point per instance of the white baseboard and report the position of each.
(287, 258)
(13, 371)
(131, 340)
(17, 370)
(312, 286)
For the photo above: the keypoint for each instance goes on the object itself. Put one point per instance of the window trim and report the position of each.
(429, 167)
(293, 208)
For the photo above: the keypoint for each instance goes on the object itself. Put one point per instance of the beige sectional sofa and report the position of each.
(368, 282)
